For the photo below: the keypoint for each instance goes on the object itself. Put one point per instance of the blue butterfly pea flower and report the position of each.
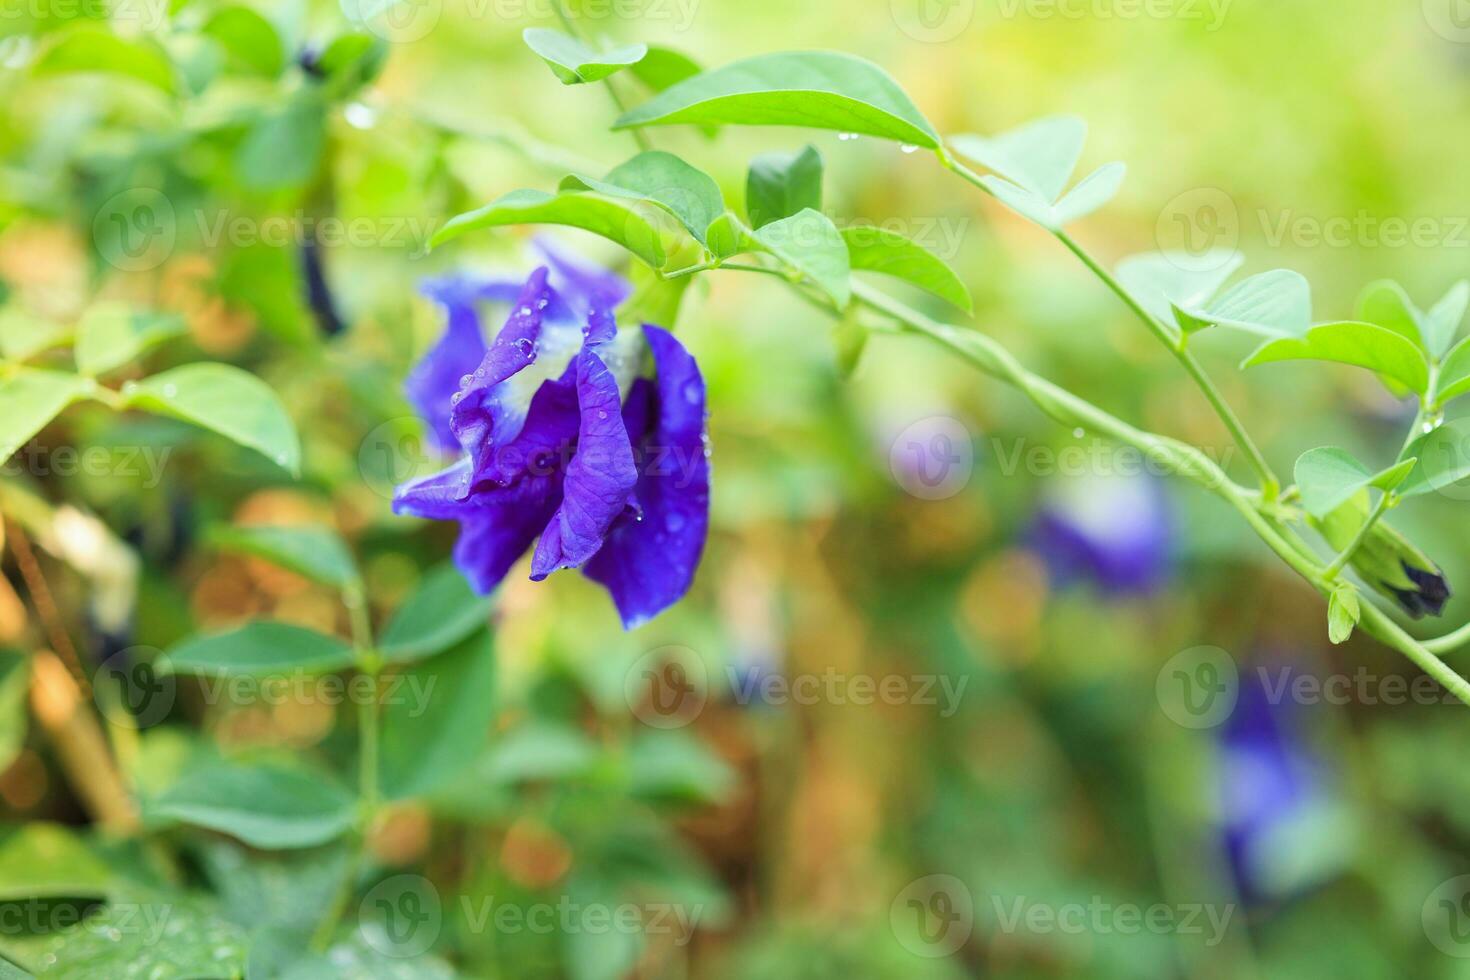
(1113, 531)
(567, 442)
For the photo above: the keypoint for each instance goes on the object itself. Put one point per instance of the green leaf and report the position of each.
(663, 67)
(729, 236)
(817, 89)
(441, 612)
(687, 193)
(874, 250)
(1386, 304)
(782, 184)
(1162, 280)
(23, 336)
(1091, 193)
(1442, 321)
(612, 218)
(90, 50)
(541, 752)
(1039, 157)
(1361, 344)
(676, 767)
(266, 807)
(1327, 477)
(284, 147)
(1444, 460)
(250, 41)
(439, 722)
(157, 936)
(313, 551)
(1454, 374)
(1343, 613)
(47, 860)
(112, 334)
(226, 400)
(30, 399)
(1270, 304)
(260, 648)
(574, 62)
(809, 243)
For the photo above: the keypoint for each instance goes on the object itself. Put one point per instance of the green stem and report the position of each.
(639, 136)
(1450, 641)
(1177, 457)
(1347, 553)
(1172, 340)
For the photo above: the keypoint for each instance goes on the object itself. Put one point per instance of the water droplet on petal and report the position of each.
(693, 392)
(674, 522)
(601, 414)
(456, 398)
(465, 380)
(1079, 432)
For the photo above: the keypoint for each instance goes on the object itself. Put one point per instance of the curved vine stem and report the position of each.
(1171, 339)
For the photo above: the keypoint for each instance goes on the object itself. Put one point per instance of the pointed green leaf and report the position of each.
(1386, 304)
(1162, 280)
(258, 649)
(1091, 193)
(439, 723)
(227, 400)
(1454, 374)
(1444, 460)
(283, 148)
(313, 551)
(1027, 203)
(1328, 476)
(612, 218)
(30, 399)
(729, 236)
(266, 807)
(168, 936)
(48, 860)
(664, 67)
(1442, 322)
(687, 193)
(574, 62)
(809, 243)
(1343, 612)
(1039, 156)
(92, 50)
(251, 42)
(440, 613)
(110, 335)
(875, 250)
(1271, 304)
(23, 335)
(818, 89)
(782, 184)
(1361, 344)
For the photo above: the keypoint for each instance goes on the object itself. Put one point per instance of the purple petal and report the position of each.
(599, 478)
(435, 378)
(478, 413)
(496, 527)
(584, 288)
(648, 564)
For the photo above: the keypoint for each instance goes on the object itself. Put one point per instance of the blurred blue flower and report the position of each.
(1113, 531)
(1282, 824)
(565, 439)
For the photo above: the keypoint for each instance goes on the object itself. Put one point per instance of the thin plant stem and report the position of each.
(1338, 563)
(1270, 485)
(639, 136)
